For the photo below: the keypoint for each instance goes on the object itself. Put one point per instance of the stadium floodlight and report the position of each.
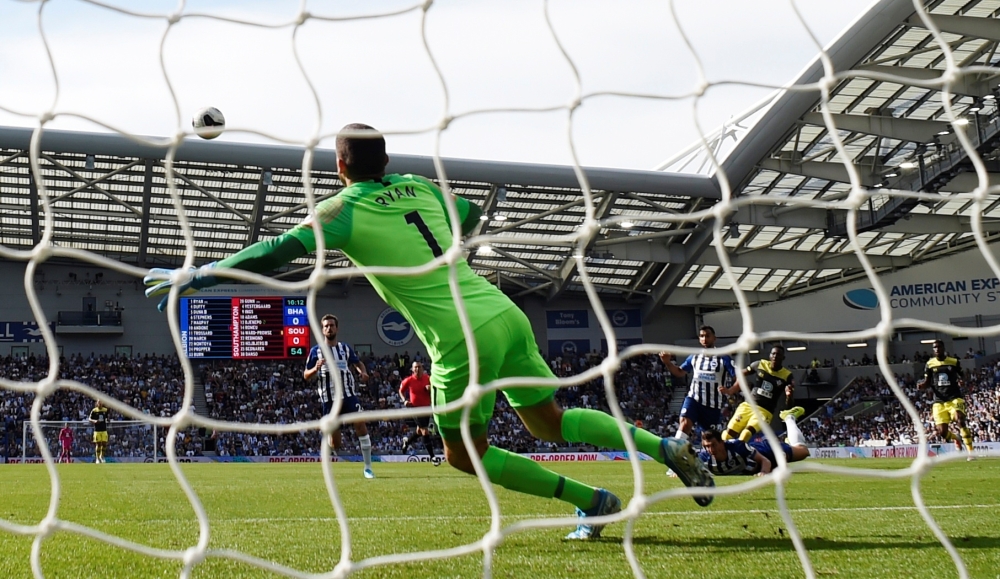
(485, 250)
(796, 348)
(928, 341)
(960, 122)
(500, 217)
(627, 224)
(754, 352)
(858, 345)
(908, 165)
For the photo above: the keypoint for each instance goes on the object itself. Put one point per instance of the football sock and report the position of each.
(366, 449)
(600, 429)
(794, 434)
(950, 436)
(967, 438)
(747, 433)
(429, 444)
(521, 474)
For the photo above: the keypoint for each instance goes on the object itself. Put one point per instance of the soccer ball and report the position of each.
(209, 123)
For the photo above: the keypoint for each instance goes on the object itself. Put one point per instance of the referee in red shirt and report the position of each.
(415, 390)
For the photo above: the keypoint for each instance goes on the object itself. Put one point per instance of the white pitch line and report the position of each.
(545, 516)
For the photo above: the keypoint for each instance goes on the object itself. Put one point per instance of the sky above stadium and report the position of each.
(493, 55)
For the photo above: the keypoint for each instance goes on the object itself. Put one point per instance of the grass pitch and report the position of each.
(852, 527)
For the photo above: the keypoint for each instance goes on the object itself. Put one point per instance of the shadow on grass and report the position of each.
(893, 542)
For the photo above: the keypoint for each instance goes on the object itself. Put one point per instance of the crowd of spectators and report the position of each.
(153, 385)
(867, 412)
(274, 392)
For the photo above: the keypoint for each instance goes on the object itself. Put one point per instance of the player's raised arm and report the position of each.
(789, 392)
(668, 362)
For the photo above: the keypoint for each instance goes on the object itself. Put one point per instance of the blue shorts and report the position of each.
(351, 404)
(764, 447)
(702, 415)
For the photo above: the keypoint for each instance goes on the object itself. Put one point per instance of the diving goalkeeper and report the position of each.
(381, 220)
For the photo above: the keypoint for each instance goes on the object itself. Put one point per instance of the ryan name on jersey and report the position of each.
(390, 195)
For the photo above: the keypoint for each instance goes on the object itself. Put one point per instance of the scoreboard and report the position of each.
(245, 327)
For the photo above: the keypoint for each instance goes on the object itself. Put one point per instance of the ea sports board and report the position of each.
(244, 327)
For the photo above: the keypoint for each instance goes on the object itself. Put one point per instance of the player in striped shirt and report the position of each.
(344, 358)
(707, 393)
(737, 457)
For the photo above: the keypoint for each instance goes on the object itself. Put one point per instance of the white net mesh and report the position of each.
(950, 73)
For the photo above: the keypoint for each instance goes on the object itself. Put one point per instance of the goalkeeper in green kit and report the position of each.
(381, 220)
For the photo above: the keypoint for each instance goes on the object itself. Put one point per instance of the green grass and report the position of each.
(852, 527)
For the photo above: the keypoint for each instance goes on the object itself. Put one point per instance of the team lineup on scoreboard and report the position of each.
(244, 327)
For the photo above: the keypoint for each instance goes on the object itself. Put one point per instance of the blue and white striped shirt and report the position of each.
(707, 374)
(343, 357)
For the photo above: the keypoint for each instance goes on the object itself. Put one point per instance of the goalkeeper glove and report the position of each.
(159, 282)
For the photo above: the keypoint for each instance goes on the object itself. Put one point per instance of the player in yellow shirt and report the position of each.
(99, 418)
(773, 383)
(943, 374)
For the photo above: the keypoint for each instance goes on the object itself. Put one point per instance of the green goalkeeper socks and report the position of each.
(521, 474)
(600, 429)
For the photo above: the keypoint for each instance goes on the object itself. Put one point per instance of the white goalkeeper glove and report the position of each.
(159, 281)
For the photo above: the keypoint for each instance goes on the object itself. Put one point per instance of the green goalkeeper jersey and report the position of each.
(401, 221)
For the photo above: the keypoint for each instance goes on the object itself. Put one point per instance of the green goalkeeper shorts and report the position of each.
(506, 347)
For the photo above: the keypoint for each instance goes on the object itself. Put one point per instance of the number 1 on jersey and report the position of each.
(414, 218)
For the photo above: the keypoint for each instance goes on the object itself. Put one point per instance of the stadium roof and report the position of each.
(108, 193)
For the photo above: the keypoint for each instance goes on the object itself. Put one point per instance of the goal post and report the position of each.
(129, 439)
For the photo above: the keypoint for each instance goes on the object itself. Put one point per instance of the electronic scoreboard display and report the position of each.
(243, 328)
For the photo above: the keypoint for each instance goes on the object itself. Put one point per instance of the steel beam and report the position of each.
(289, 157)
(965, 85)
(147, 201)
(915, 130)
(675, 254)
(686, 296)
(259, 205)
(985, 28)
(827, 170)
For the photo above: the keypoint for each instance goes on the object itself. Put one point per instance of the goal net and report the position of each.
(801, 161)
(131, 440)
